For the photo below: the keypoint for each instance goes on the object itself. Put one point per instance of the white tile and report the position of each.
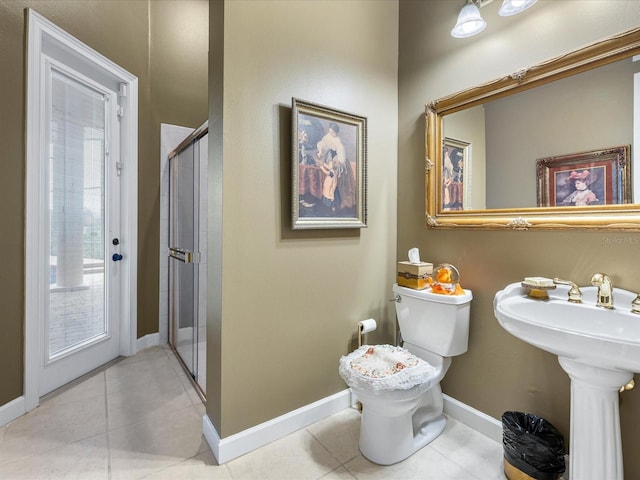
(200, 467)
(89, 388)
(473, 451)
(151, 446)
(189, 388)
(83, 460)
(339, 473)
(339, 434)
(425, 464)
(52, 425)
(145, 390)
(298, 456)
(155, 432)
(146, 403)
(153, 356)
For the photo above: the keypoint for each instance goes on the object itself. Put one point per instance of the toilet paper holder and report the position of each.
(364, 327)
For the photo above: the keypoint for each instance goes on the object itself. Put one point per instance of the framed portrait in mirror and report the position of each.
(599, 177)
(455, 184)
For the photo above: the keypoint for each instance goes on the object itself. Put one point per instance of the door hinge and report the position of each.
(122, 92)
(119, 167)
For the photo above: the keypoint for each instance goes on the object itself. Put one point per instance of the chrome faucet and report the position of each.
(605, 290)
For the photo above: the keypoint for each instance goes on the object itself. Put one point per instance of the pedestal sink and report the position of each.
(600, 351)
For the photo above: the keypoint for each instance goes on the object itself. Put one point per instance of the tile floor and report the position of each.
(140, 417)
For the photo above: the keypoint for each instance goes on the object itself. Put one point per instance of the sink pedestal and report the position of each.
(596, 444)
(599, 348)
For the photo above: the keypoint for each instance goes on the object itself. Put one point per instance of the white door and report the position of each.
(82, 301)
(81, 219)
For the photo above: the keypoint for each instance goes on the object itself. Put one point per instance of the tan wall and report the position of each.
(499, 372)
(178, 83)
(120, 31)
(291, 300)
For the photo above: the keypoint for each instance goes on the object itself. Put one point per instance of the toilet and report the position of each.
(399, 387)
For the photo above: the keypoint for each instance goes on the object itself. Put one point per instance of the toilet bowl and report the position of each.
(399, 387)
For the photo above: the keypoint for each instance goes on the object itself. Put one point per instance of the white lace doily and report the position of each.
(384, 367)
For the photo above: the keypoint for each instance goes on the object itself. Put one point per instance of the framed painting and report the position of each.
(599, 177)
(455, 186)
(329, 167)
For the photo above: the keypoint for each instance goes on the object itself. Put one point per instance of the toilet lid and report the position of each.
(384, 367)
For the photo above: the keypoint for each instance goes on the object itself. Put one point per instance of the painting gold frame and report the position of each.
(599, 177)
(329, 167)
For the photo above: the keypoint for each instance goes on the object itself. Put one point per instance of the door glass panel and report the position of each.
(77, 290)
(183, 240)
(182, 180)
(184, 287)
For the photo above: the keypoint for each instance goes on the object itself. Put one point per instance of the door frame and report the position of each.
(42, 34)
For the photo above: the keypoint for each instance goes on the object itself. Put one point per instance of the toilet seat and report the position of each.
(382, 368)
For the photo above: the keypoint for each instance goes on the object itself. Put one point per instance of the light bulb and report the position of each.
(512, 7)
(469, 22)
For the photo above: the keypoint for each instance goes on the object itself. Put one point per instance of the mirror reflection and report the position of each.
(490, 151)
(551, 146)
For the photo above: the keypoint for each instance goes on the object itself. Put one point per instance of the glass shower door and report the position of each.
(184, 255)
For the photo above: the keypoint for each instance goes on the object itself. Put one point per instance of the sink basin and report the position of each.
(581, 331)
(598, 348)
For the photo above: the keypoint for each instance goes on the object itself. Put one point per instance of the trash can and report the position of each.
(533, 447)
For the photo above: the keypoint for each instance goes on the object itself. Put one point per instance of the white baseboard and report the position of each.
(226, 449)
(12, 410)
(150, 340)
(481, 422)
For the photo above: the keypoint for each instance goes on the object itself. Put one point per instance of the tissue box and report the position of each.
(414, 275)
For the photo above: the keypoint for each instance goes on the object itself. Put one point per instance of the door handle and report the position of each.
(116, 257)
(185, 256)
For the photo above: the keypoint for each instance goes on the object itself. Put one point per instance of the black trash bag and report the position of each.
(533, 445)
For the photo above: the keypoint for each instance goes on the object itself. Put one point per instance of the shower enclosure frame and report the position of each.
(187, 255)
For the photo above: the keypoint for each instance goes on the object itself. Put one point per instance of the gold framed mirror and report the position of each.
(485, 145)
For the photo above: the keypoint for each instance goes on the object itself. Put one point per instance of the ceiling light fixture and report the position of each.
(512, 7)
(470, 22)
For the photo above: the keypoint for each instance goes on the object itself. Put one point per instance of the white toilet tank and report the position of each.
(437, 323)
